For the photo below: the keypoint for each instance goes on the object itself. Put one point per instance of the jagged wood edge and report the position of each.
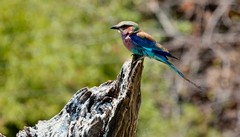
(110, 110)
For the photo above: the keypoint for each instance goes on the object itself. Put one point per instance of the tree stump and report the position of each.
(110, 110)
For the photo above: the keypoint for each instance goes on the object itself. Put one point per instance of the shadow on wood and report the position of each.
(110, 110)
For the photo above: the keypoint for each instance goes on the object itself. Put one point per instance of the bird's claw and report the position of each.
(140, 58)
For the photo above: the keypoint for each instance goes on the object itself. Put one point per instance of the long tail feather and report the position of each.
(179, 73)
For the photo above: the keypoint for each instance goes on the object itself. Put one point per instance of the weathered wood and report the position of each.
(110, 110)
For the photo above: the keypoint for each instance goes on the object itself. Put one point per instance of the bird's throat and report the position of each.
(127, 41)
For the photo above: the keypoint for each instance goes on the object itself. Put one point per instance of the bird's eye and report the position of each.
(125, 27)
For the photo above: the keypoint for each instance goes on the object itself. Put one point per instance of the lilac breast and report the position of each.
(127, 42)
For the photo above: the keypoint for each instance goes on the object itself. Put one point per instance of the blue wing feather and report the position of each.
(149, 46)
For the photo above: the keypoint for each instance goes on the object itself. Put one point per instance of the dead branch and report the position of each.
(162, 18)
(224, 6)
(110, 110)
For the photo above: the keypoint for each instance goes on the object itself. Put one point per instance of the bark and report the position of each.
(110, 110)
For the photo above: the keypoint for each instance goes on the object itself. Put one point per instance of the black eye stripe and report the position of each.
(125, 26)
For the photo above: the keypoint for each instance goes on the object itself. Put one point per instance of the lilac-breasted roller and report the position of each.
(143, 44)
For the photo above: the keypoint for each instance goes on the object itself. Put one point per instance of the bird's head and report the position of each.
(126, 27)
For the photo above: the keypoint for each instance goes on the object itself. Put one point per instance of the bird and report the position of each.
(143, 44)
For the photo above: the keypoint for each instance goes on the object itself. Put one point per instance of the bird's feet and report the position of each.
(137, 58)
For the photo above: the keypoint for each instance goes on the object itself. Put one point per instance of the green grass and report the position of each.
(50, 49)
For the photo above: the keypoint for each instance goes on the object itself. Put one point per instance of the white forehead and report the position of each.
(130, 23)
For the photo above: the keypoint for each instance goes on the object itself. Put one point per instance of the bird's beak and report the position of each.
(114, 27)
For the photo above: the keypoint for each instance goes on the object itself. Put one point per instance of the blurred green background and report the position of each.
(49, 49)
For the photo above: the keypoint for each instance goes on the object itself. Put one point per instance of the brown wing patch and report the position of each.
(145, 35)
(161, 47)
(149, 37)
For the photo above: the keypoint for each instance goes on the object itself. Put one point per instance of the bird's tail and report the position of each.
(178, 72)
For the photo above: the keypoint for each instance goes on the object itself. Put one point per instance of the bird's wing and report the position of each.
(145, 35)
(146, 41)
(156, 45)
(165, 51)
(161, 47)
